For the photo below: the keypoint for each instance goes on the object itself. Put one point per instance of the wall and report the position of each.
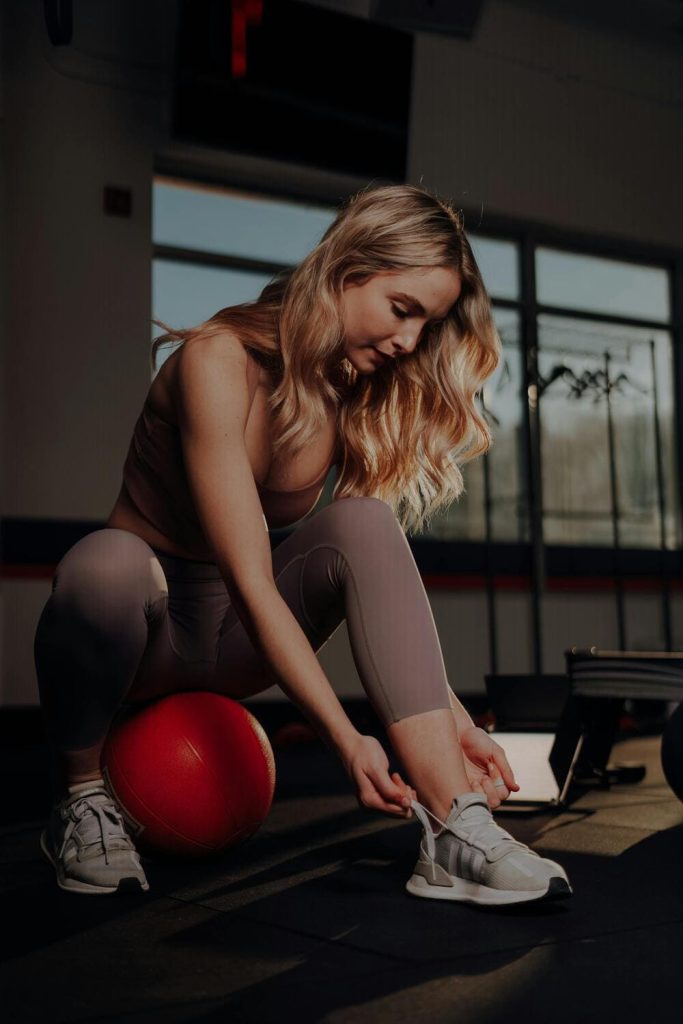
(531, 119)
(4, 252)
(76, 282)
(555, 122)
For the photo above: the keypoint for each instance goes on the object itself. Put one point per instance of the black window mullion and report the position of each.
(677, 346)
(603, 318)
(198, 257)
(532, 420)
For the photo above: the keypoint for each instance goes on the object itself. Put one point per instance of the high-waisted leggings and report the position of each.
(126, 623)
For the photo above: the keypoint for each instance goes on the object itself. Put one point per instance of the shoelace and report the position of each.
(477, 834)
(100, 823)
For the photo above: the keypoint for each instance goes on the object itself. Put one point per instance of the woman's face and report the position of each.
(385, 315)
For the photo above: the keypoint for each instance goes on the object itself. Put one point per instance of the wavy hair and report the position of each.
(404, 430)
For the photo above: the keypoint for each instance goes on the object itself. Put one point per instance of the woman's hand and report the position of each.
(486, 764)
(367, 766)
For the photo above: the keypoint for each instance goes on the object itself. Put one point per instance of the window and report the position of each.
(606, 400)
(230, 223)
(608, 454)
(498, 261)
(217, 247)
(606, 428)
(596, 285)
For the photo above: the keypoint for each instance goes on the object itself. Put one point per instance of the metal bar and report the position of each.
(661, 503)
(533, 448)
(614, 500)
(490, 578)
(677, 351)
(625, 250)
(579, 514)
(217, 259)
(603, 318)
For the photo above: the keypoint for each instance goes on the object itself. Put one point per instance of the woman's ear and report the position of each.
(356, 279)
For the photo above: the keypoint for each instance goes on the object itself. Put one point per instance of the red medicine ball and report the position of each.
(193, 773)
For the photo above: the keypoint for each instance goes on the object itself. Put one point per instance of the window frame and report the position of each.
(461, 563)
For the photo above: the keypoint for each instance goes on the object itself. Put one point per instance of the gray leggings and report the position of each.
(127, 623)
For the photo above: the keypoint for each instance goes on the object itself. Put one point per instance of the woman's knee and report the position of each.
(358, 516)
(362, 529)
(105, 568)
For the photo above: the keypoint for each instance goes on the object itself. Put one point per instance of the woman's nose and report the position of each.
(406, 342)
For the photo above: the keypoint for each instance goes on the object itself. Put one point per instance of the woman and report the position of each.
(366, 356)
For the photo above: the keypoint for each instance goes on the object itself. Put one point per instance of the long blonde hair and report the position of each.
(404, 430)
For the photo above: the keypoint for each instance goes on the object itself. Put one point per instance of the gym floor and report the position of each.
(309, 920)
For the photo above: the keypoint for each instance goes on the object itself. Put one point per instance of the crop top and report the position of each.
(154, 477)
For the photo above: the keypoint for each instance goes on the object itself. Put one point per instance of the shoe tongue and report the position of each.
(470, 809)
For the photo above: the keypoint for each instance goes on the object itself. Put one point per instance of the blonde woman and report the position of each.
(367, 357)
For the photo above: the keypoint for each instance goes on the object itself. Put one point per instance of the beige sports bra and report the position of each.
(155, 479)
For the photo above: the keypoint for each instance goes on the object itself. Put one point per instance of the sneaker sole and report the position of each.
(125, 885)
(464, 891)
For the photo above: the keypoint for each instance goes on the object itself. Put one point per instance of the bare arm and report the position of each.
(212, 406)
(462, 718)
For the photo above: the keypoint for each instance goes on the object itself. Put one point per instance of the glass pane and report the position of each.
(466, 519)
(575, 436)
(209, 219)
(185, 294)
(507, 457)
(499, 264)
(597, 285)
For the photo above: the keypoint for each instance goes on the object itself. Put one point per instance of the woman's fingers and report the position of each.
(503, 765)
(393, 796)
(476, 785)
(405, 790)
(377, 788)
(500, 784)
(407, 793)
(493, 793)
(389, 793)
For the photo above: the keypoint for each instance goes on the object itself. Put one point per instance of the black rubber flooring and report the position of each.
(309, 920)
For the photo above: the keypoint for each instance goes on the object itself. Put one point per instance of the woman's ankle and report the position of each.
(67, 788)
(76, 778)
(72, 767)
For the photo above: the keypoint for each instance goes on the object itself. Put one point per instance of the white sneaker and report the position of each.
(473, 860)
(88, 846)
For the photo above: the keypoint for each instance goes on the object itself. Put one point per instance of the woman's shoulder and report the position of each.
(218, 357)
(218, 347)
(223, 353)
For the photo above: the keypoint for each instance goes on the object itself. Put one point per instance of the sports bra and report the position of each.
(155, 479)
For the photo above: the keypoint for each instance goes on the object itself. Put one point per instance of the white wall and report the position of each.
(530, 119)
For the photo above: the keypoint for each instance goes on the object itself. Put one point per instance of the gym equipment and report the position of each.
(599, 384)
(193, 773)
(649, 675)
(603, 680)
(672, 751)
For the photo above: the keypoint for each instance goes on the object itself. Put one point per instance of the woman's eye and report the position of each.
(400, 313)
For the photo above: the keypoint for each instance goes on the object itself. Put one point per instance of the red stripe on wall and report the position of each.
(589, 584)
(446, 581)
